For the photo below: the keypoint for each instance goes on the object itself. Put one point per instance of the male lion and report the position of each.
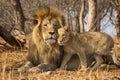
(44, 53)
(95, 43)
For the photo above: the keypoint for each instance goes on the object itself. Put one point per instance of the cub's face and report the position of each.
(50, 29)
(63, 36)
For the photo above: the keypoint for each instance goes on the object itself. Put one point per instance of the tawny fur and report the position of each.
(92, 43)
(44, 53)
(71, 46)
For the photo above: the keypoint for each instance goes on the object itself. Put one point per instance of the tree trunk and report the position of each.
(98, 16)
(92, 15)
(81, 16)
(20, 18)
(77, 27)
(9, 38)
(117, 22)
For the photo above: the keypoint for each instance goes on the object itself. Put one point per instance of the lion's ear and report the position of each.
(35, 22)
(66, 28)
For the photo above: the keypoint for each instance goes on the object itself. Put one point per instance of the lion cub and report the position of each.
(94, 43)
(72, 46)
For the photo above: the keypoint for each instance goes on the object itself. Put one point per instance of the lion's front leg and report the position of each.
(43, 68)
(25, 67)
(83, 59)
(67, 56)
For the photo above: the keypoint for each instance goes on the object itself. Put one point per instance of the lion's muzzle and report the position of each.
(50, 40)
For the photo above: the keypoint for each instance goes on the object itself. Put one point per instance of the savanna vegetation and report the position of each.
(80, 16)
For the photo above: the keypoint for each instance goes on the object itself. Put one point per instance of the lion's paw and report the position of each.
(34, 69)
(22, 69)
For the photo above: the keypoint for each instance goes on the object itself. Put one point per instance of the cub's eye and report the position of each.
(63, 35)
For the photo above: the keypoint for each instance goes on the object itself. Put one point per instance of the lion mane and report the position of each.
(39, 50)
(42, 54)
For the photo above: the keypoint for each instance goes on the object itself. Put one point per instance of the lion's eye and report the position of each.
(45, 24)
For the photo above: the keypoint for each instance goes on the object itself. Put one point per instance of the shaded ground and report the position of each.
(11, 59)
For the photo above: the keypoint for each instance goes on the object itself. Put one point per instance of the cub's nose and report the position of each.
(51, 33)
(59, 42)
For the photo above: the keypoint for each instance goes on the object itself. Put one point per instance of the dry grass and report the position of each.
(11, 59)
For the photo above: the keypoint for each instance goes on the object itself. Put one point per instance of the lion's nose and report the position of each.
(51, 33)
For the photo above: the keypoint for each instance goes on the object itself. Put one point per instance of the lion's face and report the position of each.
(49, 27)
(63, 36)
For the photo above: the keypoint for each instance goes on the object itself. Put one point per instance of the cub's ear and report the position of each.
(66, 28)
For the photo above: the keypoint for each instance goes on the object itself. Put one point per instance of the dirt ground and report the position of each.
(11, 59)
